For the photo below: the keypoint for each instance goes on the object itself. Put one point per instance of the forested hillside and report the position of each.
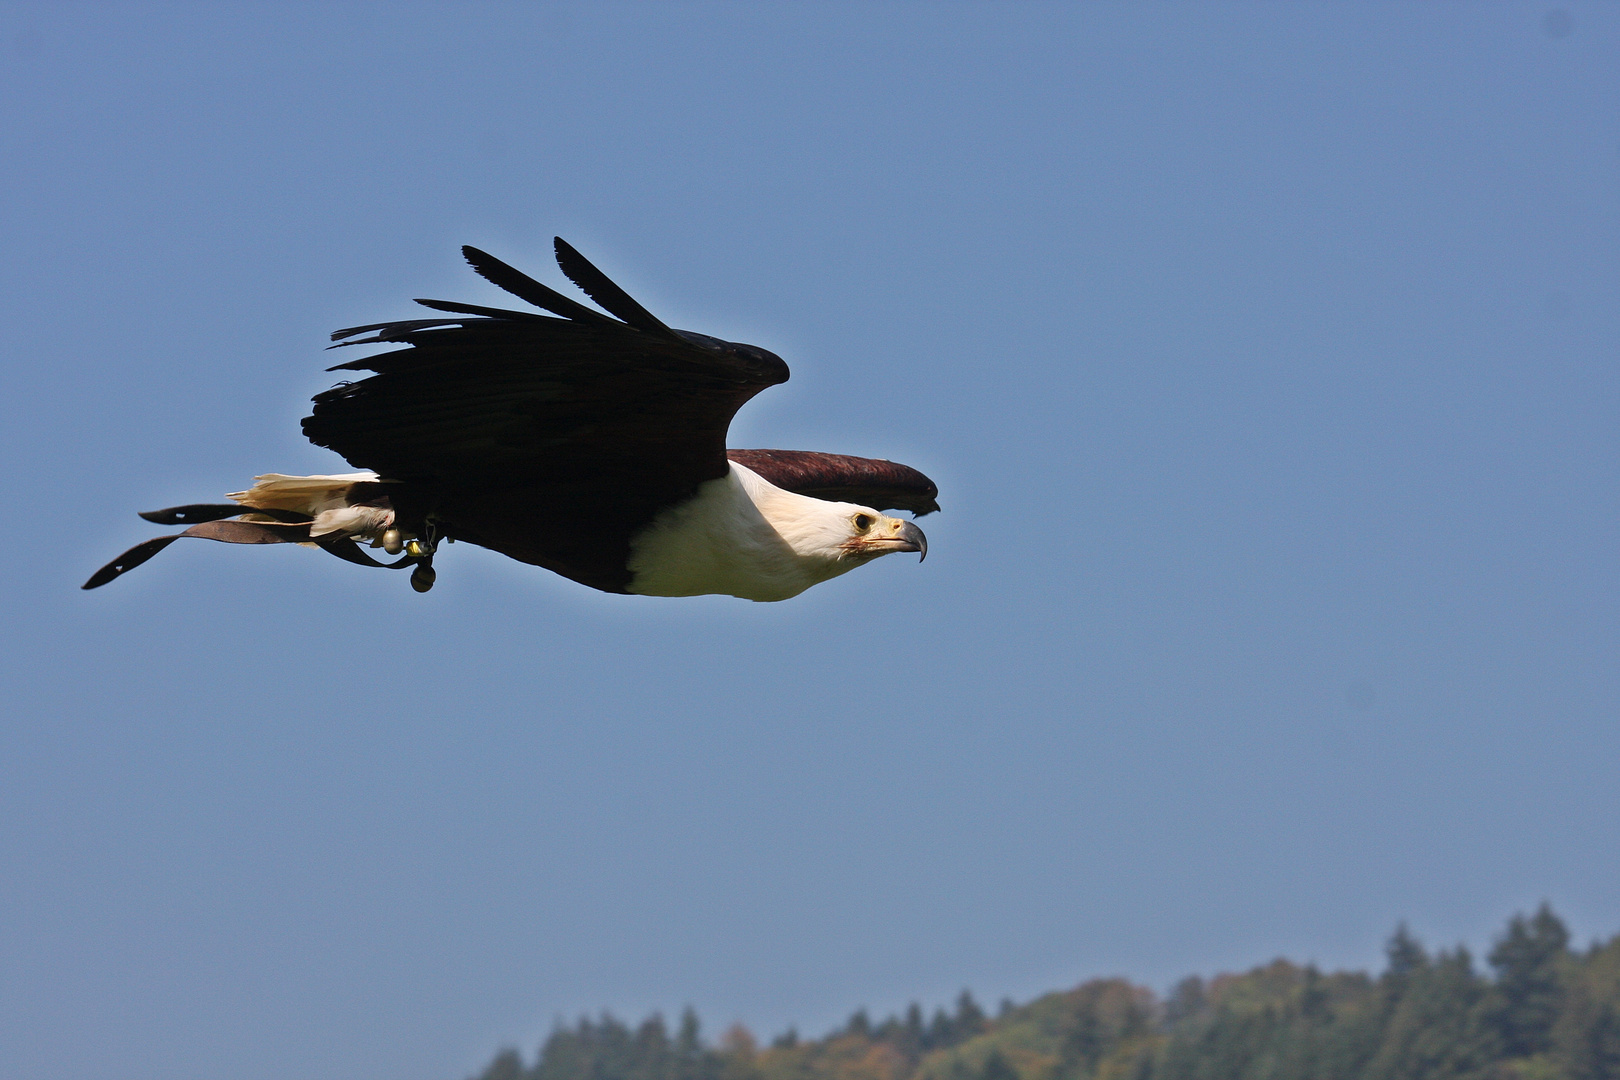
(1540, 1011)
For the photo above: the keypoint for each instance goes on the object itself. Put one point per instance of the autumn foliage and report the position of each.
(1541, 1011)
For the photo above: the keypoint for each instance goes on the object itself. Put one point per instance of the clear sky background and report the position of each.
(1265, 356)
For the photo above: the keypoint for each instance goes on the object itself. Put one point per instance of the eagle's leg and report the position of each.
(422, 549)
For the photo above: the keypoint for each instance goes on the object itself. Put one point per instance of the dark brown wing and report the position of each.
(882, 485)
(552, 440)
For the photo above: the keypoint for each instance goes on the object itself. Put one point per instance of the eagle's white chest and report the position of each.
(742, 536)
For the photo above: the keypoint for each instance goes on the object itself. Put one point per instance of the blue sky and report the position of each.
(1265, 356)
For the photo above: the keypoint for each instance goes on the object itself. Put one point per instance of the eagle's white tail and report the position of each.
(324, 498)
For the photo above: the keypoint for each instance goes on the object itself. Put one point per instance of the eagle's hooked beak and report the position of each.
(913, 536)
(896, 535)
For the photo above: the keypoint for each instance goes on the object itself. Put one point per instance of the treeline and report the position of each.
(1541, 1011)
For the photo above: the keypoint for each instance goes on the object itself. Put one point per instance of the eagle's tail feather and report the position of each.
(192, 513)
(229, 532)
(129, 560)
(324, 511)
(308, 495)
(261, 532)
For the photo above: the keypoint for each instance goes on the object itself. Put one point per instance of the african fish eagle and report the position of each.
(593, 446)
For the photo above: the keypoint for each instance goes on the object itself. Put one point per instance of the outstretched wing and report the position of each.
(882, 485)
(542, 436)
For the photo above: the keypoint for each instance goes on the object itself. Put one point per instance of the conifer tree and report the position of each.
(1586, 1039)
(1529, 960)
(508, 1065)
(910, 1037)
(1404, 958)
(1437, 1031)
(565, 1054)
(970, 1019)
(650, 1051)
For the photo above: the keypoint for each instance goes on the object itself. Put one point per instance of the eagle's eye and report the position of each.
(863, 522)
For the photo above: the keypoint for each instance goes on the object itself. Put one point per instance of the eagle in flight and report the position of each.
(591, 445)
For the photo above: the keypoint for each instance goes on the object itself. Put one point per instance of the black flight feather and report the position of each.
(479, 309)
(524, 287)
(600, 288)
(397, 327)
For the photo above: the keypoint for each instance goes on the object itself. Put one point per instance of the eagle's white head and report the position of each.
(743, 536)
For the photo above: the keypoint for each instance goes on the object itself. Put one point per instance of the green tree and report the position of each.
(1529, 961)
(1404, 958)
(691, 1061)
(1437, 1030)
(650, 1052)
(1586, 1038)
(970, 1019)
(1546, 1014)
(997, 1067)
(1186, 999)
(911, 1035)
(689, 1039)
(1223, 1044)
(565, 1055)
(508, 1065)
